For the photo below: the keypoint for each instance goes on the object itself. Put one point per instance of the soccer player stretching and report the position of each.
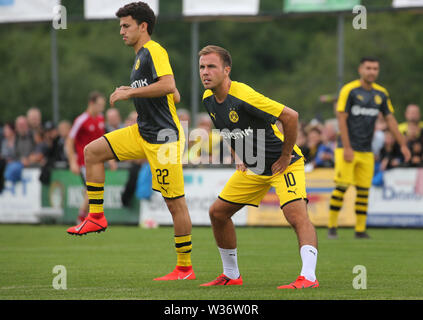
(358, 107)
(157, 136)
(248, 119)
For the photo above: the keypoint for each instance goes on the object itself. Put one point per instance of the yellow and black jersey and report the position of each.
(250, 117)
(154, 114)
(363, 107)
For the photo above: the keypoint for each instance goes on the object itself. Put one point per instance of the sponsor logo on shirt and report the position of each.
(356, 110)
(236, 134)
(139, 83)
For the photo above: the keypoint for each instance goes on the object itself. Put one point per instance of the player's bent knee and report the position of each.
(97, 151)
(217, 215)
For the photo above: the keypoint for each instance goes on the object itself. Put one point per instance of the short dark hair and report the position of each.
(139, 11)
(94, 95)
(368, 58)
(223, 54)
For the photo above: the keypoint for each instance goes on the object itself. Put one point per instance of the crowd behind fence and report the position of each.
(30, 142)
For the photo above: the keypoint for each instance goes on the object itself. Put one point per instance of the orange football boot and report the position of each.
(223, 280)
(179, 273)
(92, 223)
(301, 283)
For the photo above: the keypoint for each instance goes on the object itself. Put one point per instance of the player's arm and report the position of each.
(176, 96)
(342, 106)
(162, 87)
(70, 152)
(393, 127)
(343, 130)
(289, 120)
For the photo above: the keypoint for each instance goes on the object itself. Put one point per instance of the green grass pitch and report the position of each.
(121, 263)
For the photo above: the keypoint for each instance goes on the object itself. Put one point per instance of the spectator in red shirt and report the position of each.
(87, 127)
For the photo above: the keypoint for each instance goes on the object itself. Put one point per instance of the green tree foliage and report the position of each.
(292, 59)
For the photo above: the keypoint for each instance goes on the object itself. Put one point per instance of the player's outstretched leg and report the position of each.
(183, 243)
(296, 214)
(95, 153)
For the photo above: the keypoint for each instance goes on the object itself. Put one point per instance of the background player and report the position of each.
(86, 128)
(157, 135)
(236, 107)
(358, 107)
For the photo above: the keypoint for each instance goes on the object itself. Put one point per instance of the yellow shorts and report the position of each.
(247, 188)
(359, 172)
(164, 159)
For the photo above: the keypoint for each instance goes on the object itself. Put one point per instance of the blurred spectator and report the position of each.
(329, 133)
(113, 120)
(414, 136)
(390, 155)
(37, 156)
(7, 151)
(412, 116)
(63, 128)
(302, 142)
(185, 119)
(24, 144)
(8, 142)
(207, 144)
(131, 119)
(55, 147)
(34, 118)
(320, 155)
(379, 136)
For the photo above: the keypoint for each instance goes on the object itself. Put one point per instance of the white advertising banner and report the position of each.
(220, 7)
(27, 10)
(407, 3)
(106, 9)
(400, 201)
(202, 187)
(21, 202)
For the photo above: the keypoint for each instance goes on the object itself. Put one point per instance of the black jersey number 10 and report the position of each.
(289, 179)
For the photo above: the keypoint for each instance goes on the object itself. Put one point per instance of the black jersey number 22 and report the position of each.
(161, 176)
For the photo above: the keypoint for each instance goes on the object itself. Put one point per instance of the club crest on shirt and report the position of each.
(137, 65)
(378, 99)
(233, 116)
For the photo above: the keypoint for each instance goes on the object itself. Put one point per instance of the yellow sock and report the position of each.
(360, 225)
(95, 193)
(335, 205)
(183, 246)
(361, 204)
